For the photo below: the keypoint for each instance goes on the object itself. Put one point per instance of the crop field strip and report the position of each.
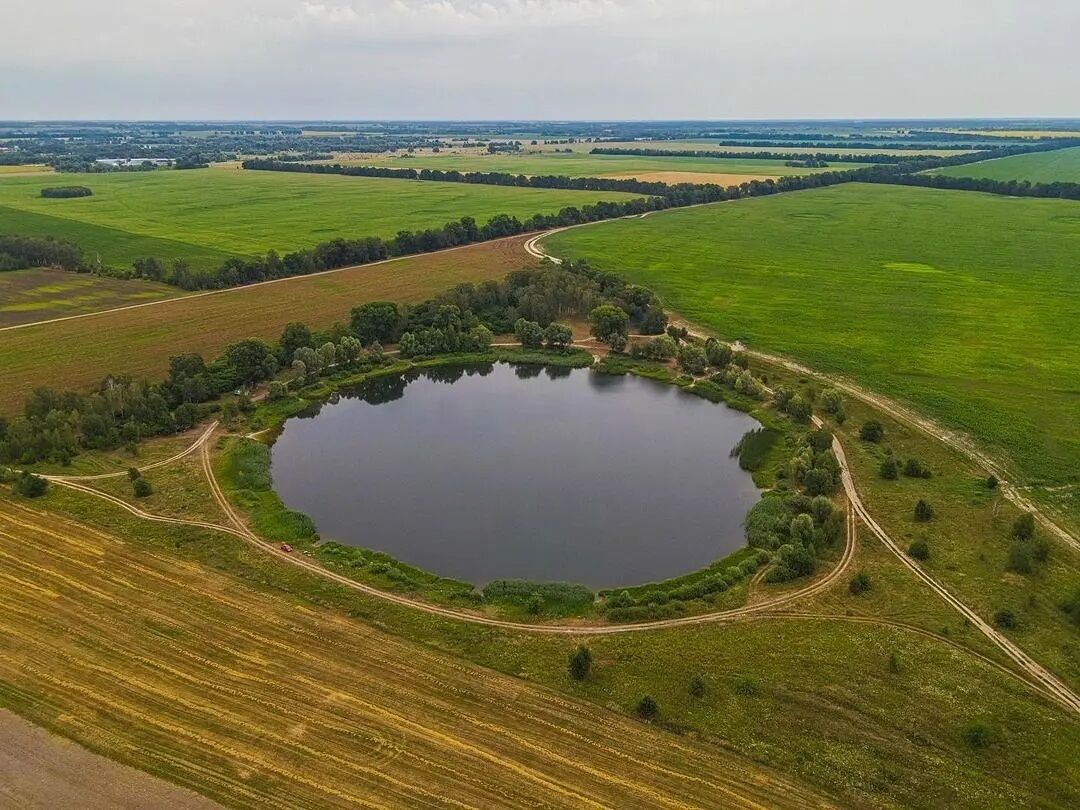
(37, 294)
(963, 304)
(205, 215)
(580, 164)
(79, 352)
(242, 696)
(1062, 166)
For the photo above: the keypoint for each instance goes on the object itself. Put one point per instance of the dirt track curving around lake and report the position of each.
(1029, 671)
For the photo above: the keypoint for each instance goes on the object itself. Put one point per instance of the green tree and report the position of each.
(580, 663)
(142, 488)
(692, 359)
(29, 485)
(293, 337)
(697, 687)
(608, 321)
(718, 354)
(872, 431)
(558, 336)
(860, 583)
(890, 468)
(918, 550)
(376, 321)
(647, 708)
(1024, 527)
(251, 360)
(924, 512)
(529, 333)
(799, 409)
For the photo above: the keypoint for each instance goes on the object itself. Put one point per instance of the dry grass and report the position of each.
(40, 293)
(258, 701)
(78, 353)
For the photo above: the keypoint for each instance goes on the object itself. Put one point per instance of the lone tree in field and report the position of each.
(872, 431)
(141, 487)
(890, 468)
(860, 583)
(647, 708)
(580, 663)
(918, 550)
(924, 512)
(1024, 527)
(609, 323)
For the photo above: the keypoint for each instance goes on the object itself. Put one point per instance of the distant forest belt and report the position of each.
(78, 353)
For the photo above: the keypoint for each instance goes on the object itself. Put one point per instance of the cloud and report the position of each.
(537, 58)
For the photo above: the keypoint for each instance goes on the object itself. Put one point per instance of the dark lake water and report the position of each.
(509, 472)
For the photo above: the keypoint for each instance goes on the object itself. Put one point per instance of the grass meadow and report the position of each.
(1062, 165)
(965, 305)
(206, 215)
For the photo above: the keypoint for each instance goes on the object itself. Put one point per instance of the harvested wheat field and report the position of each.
(257, 701)
(673, 178)
(79, 352)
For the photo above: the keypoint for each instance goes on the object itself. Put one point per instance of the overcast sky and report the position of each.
(578, 59)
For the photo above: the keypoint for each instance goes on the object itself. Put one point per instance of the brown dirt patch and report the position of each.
(40, 770)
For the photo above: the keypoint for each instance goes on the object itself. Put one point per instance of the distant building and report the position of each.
(124, 162)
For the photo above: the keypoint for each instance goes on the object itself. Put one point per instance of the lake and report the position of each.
(522, 472)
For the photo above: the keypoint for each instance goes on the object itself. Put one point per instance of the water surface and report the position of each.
(485, 473)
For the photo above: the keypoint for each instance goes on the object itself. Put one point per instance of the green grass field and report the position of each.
(1062, 165)
(205, 215)
(582, 164)
(963, 304)
(713, 146)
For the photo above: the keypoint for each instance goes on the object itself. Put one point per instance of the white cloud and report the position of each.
(538, 58)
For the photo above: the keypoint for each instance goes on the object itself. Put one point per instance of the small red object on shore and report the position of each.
(286, 548)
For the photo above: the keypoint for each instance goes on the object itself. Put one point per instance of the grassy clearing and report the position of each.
(817, 699)
(39, 293)
(78, 353)
(582, 164)
(261, 700)
(245, 213)
(963, 304)
(1062, 165)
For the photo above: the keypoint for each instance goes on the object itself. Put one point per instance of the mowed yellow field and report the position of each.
(77, 353)
(259, 701)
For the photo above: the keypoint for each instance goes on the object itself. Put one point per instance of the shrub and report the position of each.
(978, 734)
(924, 512)
(697, 687)
(133, 473)
(830, 401)
(799, 409)
(872, 431)
(529, 333)
(535, 604)
(821, 440)
(61, 192)
(276, 390)
(718, 354)
(29, 485)
(913, 468)
(992, 482)
(890, 468)
(1005, 619)
(558, 336)
(580, 663)
(746, 686)
(860, 583)
(1071, 606)
(918, 550)
(1024, 527)
(142, 488)
(647, 708)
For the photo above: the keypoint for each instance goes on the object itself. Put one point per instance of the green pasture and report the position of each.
(204, 215)
(1062, 165)
(965, 305)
